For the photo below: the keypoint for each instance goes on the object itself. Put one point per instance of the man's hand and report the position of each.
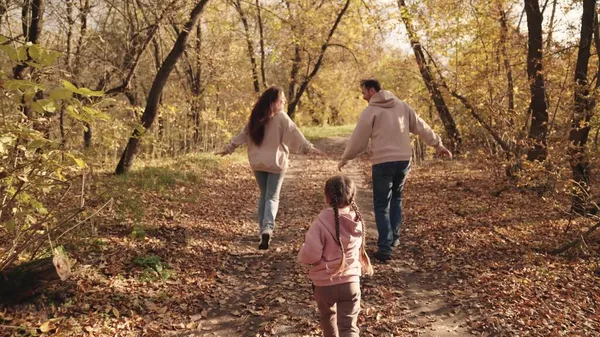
(442, 151)
(341, 164)
(223, 152)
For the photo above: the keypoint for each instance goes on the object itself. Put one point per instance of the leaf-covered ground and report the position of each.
(176, 256)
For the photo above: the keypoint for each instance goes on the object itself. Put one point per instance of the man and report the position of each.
(387, 122)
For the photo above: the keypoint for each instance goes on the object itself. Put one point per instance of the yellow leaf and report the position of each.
(61, 93)
(87, 92)
(22, 53)
(45, 327)
(10, 52)
(35, 51)
(69, 86)
(116, 312)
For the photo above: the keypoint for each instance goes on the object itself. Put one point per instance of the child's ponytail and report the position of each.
(336, 213)
(365, 262)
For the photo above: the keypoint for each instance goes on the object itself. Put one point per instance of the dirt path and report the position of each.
(268, 294)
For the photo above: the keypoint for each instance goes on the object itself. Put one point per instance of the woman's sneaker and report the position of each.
(264, 241)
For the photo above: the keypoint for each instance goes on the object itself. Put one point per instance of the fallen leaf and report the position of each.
(46, 327)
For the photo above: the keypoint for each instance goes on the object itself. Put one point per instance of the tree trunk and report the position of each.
(584, 104)
(197, 87)
(83, 14)
(510, 90)
(551, 26)
(157, 87)
(87, 135)
(32, 15)
(294, 73)
(262, 44)
(538, 107)
(294, 100)
(297, 57)
(3, 9)
(238, 7)
(447, 120)
(193, 73)
(70, 24)
(29, 279)
(61, 126)
(157, 62)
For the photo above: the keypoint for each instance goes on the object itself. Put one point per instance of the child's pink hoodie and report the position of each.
(321, 249)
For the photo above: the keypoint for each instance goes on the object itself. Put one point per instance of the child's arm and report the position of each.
(312, 249)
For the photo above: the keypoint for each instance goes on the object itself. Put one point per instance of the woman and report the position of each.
(270, 135)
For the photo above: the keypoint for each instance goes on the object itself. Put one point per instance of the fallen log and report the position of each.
(575, 241)
(31, 278)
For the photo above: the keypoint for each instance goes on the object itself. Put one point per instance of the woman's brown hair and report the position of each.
(261, 114)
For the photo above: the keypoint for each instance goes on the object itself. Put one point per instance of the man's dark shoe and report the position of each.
(264, 242)
(396, 243)
(381, 256)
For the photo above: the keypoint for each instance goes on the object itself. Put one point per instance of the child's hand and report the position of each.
(317, 152)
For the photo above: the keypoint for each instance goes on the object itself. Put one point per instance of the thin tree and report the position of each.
(3, 9)
(538, 107)
(296, 95)
(32, 14)
(262, 44)
(449, 125)
(584, 104)
(157, 87)
(510, 87)
(238, 7)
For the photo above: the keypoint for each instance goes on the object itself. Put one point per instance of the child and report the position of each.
(335, 246)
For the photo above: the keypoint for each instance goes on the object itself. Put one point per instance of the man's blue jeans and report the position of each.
(268, 204)
(388, 182)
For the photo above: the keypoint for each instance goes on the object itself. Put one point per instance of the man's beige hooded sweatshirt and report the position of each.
(388, 122)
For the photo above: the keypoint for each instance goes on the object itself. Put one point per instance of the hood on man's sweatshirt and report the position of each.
(384, 99)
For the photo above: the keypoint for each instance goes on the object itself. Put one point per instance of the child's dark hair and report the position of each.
(341, 192)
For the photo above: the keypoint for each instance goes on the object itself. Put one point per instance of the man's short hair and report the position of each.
(371, 83)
